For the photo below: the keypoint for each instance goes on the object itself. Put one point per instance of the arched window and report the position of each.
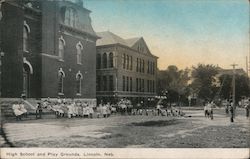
(61, 76)
(27, 71)
(98, 61)
(79, 49)
(111, 62)
(26, 31)
(61, 48)
(104, 60)
(78, 83)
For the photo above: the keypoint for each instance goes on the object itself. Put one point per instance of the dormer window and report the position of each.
(71, 17)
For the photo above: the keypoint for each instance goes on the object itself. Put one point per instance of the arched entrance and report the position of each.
(27, 71)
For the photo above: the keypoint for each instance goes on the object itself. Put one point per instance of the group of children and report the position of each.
(70, 108)
(19, 110)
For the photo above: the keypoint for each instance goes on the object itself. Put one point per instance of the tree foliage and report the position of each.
(242, 87)
(174, 81)
(204, 81)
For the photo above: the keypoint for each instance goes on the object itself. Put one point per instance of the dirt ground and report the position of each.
(191, 131)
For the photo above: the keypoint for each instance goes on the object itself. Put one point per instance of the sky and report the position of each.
(180, 32)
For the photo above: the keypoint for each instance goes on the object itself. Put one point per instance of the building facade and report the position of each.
(49, 49)
(125, 69)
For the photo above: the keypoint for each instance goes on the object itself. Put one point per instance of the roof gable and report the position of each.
(140, 45)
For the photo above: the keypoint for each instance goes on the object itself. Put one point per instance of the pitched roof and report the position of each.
(108, 37)
(132, 41)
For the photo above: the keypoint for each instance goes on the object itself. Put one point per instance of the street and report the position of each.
(191, 131)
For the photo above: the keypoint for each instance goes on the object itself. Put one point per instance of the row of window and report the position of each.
(105, 83)
(127, 62)
(61, 50)
(61, 76)
(140, 65)
(151, 68)
(61, 45)
(151, 85)
(127, 83)
(105, 60)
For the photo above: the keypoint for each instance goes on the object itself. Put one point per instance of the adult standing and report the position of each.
(247, 107)
(231, 109)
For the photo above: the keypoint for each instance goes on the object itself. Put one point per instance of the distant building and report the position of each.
(50, 49)
(125, 69)
(238, 71)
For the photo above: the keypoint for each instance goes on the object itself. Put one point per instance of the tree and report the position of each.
(174, 81)
(242, 87)
(204, 81)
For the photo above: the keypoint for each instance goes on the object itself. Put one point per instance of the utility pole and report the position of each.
(233, 83)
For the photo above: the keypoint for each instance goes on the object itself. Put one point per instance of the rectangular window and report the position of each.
(131, 84)
(123, 83)
(153, 86)
(148, 66)
(142, 85)
(111, 83)
(139, 85)
(127, 84)
(124, 61)
(143, 66)
(140, 65)
(153, 68)
(136, 84)
(98, 83)
(148, 85)
(104, 83)
(128, 62)
(137, 64)
(131, 63)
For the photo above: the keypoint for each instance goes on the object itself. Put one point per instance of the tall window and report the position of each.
(98, 61)
(123, 83)
(61, 48)
(142, 85)
(25, 37)
(111, 83)
(143, 66)
(153, 89)
(98, 83)
(78, 83)
(140, 65)
(148, 66)
(137, 64)
(105, 60)
(148, 85)
(111, 60)
(104, 83)
(79, 49)
(61, 76)
(128, 62)
(137, 83)
(131, 84)
(127, 84)
(123, 61)
(71, 17)
(131, 63)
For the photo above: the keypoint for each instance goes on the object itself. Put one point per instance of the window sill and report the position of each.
(26, 51)
(61, 94)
